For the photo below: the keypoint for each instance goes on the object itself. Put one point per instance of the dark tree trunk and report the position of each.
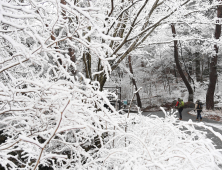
(176, 57)
(88, 57)
(73, 59)
(213, 65)
(102, 81)
(212, 83)
(134, 83)
(202, 68)
(84, 58)
(190, 69)
(197, 67)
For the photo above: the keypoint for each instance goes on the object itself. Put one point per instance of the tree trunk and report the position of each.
(213, 65)
(102, 81)
(176, 57)
(202, 68)
(134, 83)
(212, 83)
(190, 68)
(84, 58)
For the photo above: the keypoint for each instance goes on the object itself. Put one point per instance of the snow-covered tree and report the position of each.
(134, 21)
(54, 117)
(49, 110)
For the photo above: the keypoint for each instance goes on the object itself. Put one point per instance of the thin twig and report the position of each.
(46, 143)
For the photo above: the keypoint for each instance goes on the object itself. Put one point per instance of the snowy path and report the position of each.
(217, 126)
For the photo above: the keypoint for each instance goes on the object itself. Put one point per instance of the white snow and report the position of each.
(49, 112)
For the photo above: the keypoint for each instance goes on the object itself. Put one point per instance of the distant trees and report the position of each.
(201, 44)
(134, 22)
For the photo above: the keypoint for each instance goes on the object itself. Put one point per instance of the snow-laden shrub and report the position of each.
(53, 116)
(50, 113)
(57, 124)
(161, 143)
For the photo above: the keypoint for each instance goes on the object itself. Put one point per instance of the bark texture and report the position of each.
(180, 71)
(198, 76)
(134, 82)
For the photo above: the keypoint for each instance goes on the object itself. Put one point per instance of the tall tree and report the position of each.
(176, 57)
(197, 59)
(139, 103)
(213, 63)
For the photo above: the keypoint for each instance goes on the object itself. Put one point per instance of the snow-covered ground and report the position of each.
(180, 145)
(214, 125)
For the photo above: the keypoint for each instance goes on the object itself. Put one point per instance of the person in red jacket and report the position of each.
(179, 105)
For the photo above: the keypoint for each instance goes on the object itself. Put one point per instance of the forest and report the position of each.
(59, 60)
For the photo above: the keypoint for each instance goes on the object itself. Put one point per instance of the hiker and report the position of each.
(179, 105)
(198, 107)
